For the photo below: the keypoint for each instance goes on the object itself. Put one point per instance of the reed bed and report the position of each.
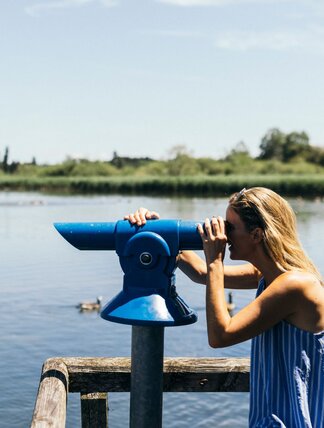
(307, 186)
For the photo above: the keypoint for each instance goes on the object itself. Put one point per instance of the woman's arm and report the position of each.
(243, 276)
(283, 299)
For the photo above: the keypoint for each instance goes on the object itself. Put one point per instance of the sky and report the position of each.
(86, 78)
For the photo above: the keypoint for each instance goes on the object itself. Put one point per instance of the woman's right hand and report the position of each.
(140, 216)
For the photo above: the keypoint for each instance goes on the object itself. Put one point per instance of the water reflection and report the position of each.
(42, 278)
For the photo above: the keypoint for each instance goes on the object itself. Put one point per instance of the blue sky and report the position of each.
(89, 77)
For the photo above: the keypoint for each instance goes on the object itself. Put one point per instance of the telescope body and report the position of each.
(180, 234)
(147, 255)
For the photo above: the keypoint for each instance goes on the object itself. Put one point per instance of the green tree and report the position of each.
(240, 150)
(181, 161)
(5, 160)
(316, 155)
(272, 145)
(239, 160)
(183, 165)
(179, 150)
(296, 146)
(117, 161)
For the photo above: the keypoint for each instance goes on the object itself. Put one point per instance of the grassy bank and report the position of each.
(307, 186)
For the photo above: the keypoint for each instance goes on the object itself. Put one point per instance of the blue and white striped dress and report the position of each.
(287, 377)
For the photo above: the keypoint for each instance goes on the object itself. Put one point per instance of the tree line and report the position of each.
(282, 153)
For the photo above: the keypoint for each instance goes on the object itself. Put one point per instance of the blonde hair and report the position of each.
(262, 207)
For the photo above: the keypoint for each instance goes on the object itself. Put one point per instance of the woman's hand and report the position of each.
(214, 239)
(140, 216)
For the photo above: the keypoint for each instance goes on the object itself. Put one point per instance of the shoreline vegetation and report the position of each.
(287, 163)
(305, 186)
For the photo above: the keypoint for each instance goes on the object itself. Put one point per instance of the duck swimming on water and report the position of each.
(230, 304)
(90, 306)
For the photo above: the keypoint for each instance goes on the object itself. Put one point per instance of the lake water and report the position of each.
(43, 278)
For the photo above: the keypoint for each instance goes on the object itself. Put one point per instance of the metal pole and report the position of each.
(146, 377)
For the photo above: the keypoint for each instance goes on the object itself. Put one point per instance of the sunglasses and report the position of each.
(239, 194)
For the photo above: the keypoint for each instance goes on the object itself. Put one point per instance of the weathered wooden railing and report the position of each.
(94, 378)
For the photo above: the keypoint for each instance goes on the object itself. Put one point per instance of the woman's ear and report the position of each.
(257, 235)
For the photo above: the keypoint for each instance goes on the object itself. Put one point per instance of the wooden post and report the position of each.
(50, 407)
(94, 410)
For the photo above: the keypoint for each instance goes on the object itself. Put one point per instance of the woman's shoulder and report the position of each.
(307, 292)
(300, 285)
(298, 280)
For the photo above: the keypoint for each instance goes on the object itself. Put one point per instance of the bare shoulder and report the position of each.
(307, 295)
(299, 282)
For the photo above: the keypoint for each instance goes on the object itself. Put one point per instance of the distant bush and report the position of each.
(296, 166)
(154, 168)
(182, 165)
(28, 169)
(60, 170)
(72, 168)
(90, 169)
(209, 166)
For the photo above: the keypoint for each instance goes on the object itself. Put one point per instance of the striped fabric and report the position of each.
(287, 377)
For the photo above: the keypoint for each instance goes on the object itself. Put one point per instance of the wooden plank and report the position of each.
(99, 374)
(180, 374)
(207, 374)
(50, 406)
(94, 410)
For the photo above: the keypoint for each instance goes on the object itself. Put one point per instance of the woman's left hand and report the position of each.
(214, 239)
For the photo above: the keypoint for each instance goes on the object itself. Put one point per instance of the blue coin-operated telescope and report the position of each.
(148, 301)
(147, 256)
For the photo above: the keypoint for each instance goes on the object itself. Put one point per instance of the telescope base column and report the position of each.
(146, 377)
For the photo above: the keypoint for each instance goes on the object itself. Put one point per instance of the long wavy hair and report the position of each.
(262, 207)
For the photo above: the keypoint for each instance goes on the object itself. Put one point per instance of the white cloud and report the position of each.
(311, 40)
(36, 9)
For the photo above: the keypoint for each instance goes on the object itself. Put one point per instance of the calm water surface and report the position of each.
(43, 278)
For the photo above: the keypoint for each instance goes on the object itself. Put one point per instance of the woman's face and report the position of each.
(240, 243)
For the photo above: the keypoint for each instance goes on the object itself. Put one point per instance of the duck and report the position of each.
(90, 306)
(230, 304)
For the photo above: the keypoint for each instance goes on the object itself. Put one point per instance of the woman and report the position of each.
(286, 319)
